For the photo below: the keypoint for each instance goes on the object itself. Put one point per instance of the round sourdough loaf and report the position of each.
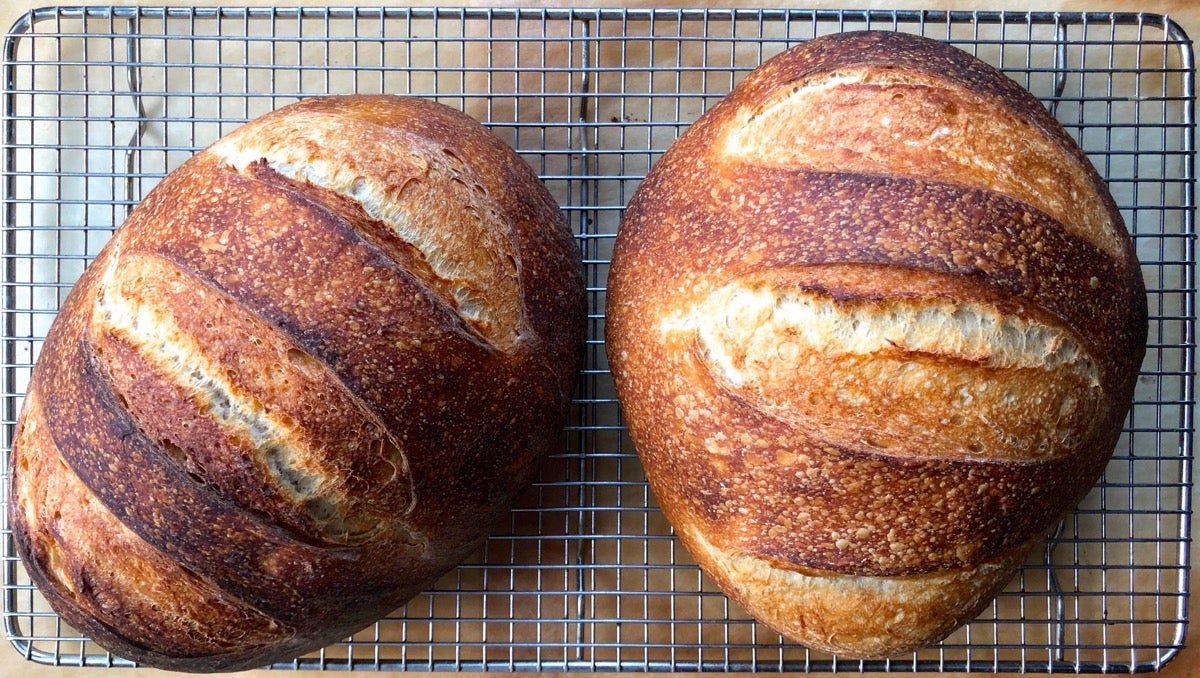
(306, 377)
(875, 324)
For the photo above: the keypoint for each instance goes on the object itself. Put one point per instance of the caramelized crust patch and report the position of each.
(424, 193)
(261, 410)
(907, 124)
(902, 377)
(72, 536)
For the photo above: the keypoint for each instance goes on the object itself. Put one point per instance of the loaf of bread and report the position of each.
(875, 323)
(305, 378)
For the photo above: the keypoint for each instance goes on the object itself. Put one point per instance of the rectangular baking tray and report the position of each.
(101, 102)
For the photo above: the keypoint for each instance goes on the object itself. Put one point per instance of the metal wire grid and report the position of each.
(101, 102)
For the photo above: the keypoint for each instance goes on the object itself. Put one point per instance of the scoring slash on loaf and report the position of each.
(875, 324)
(283, 399)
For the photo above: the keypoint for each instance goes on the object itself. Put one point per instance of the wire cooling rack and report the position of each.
(101, 102)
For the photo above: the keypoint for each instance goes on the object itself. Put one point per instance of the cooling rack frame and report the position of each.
(100, 102)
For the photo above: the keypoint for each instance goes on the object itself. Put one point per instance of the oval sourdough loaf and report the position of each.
(306, 377)
(875, 323)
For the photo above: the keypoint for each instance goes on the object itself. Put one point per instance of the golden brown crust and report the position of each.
(358, 492)
(876, 356)
(284, 383)
(826, 218)
(855, 615)
(70, 536)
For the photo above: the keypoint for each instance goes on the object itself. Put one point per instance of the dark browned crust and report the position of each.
(140, 481)
(955, 513)
(887, 50)
(1015, 250)
(167, 415)
(91, 601)
(473, 420)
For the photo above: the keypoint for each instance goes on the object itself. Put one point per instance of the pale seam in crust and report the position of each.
(179, 357)
(1086, 216)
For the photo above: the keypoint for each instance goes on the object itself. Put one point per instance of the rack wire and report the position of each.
(100, 103)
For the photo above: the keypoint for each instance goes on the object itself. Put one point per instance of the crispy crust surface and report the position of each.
(285, 389)
(848, 340)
